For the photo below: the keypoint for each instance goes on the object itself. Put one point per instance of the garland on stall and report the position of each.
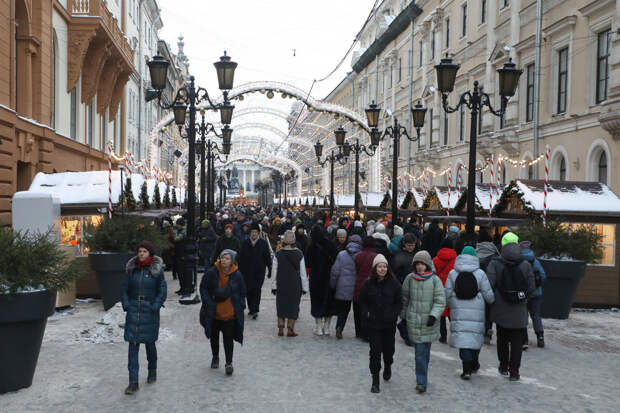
(407, 200)
(511, 192)
(386, 201)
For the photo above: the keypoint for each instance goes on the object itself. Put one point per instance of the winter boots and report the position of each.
(339, 333)
(229, 369)
(514, 375)
(387, 372)
(318, 329)
(215, 363)
(503, 369)
(152, 378)
(375, 383)
(467, 370)
(280, 327)
(291, 329)
(327, 321)
(540, 340)
(132, 388)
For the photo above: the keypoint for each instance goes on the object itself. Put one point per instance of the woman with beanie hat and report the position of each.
(363, 267)
(467, 291)
(289, 283)
(223, 293)
(342, 281)
(380, 301)
(143, 293)
(423, 302)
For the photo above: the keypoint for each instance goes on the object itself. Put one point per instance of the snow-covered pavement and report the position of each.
(82, 367)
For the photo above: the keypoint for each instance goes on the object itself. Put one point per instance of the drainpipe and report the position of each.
(410, 60)
(539, 12)
(140, 89)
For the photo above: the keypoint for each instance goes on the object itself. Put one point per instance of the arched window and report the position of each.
(602, 168)
(530, 172)
(562, 169)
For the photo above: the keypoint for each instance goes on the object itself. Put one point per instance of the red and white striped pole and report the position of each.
(110, 149)
(546, 188)
(491, 183)
(449, 186)
(499, 176)
(459, 178)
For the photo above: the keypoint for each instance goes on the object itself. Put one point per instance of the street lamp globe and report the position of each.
(158, 68)
(508, 79)
(318, 149)
(226, 112)
(346, 149)
(419, 114)
(446, 75)
(226, 134)
(179, 109)
(225, 72)
(340, 135)
(372, 114)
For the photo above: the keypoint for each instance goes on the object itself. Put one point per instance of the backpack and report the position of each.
(466, 286)
(512, 284)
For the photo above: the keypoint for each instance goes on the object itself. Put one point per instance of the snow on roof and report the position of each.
(484, 200)
(91, 187)
(566, 196)
(372, 199)
(418, 196)
(447, 199)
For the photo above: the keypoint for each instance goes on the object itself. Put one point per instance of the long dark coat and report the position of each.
(237, 296)
(380, 302)
(289, 281)
(143, 292)
(253, 261)
(223, 243)
(320, 256)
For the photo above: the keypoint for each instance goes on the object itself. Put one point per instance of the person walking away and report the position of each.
(363, 268)
(254, 261)
(320, 257)
(487, 251)
(468, 291)
(341, 239)
(423, 302)
(535, 301)
(207, 237)
(301, 239)
(444, 263)
(223, 292)
(431, 240)
(342, 280)
(512, 280)
(402, 260)
(226, 242)
(168, 253)
(289, 283)
(143, 293)
(381, 303)
(180, 238)
(274, 232)
(397, 236)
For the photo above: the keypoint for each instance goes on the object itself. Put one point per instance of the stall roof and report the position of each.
(448, 197)
(486, 197)
(482, 221)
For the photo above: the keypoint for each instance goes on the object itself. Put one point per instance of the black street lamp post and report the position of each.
(333, 157)
(475, 101)
(189, 95)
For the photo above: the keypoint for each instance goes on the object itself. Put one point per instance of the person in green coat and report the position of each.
(424, 300)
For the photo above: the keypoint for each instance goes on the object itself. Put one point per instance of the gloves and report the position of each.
(274, 292)
(431, 321)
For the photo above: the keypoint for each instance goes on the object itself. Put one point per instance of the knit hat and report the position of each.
(371, 222)
(356, 239)
(254, 226)
(357, 224)
(453, 228)
(423, 257)
(378, 259)
(289, 237)
(232, 253)
(409, 238)
(380, 228)
(341, 233)
(469, 250)
(510, 238)
(398, 231)
(232, 228)
(205, 223)
(180, 221)
(225, 217)
(147, 245)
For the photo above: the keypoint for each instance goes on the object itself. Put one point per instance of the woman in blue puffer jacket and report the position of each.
(534, 303)
(342, 279)
(143, 293)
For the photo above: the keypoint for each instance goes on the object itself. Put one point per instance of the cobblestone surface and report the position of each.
(578, 371)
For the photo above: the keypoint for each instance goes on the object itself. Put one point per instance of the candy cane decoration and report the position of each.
(499, 175)
(449, 187)
(110, 150)
(546, 188)
(459, 178)
(491, 187)
(424, 183)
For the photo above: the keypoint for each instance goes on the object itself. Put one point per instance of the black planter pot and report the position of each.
(560, 287)
(23, 317)
(110, 269)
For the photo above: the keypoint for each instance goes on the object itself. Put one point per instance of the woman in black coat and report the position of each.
(223, 292)
(320, 256)
(143, 293)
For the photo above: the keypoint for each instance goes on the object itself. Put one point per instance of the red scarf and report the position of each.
(144, 264)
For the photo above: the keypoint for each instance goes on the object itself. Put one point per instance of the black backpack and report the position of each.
(466, 286)
(512, 284)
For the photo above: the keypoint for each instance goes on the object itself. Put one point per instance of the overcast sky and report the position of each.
(261, 36)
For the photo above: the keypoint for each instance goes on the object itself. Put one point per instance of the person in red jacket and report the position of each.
(444, 263)
(363, 267)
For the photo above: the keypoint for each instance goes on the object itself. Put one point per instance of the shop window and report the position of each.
(608, 241)
(529, 97)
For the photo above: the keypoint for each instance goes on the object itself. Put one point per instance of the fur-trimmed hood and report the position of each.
(156, 267)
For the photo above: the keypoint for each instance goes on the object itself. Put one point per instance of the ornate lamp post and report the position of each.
(475, 101)
(333, 157)
(186, 99)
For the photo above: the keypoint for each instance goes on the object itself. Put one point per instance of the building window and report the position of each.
(464, 20)
(602, 65)
(391, 76)
(104, 130)
(421, 54)
(562, 79)
(562, 169)
(530, 172)
(602, 168)
(91, 126)
(483, 11)
(400, 69)
(505, 3)
(447, 32)
(529, 97)
(432, 45)
(445, 128)
(462, 120)
(74, 114)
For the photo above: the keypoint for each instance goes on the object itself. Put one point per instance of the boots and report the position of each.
(132, 388)
(215, 363)
(467, 368)
(152, 378)
(280, 327)
(318, 329)
(339, 333)
(229, 369)
(291, 329)
(327, 321)
(540, 340)
(514, 375)
(375, 383)
(387, 372)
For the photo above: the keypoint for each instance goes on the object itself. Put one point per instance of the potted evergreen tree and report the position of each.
(167, 196)
(563, 252)
(144, 196)
(112, 244)
(157, 197)
(175, 203)
(32, 269)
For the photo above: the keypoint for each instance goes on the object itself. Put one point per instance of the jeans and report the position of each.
(344, 307)
(470, 355)
(533, 307)
(360, 332)
(422, 358)
(228, 333)
(132, 364)
(381, 342)
(510, 346)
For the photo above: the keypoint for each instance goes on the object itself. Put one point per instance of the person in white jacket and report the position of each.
(289, 283)
(466, 298)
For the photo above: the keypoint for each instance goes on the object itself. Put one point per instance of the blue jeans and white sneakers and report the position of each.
(422, 358)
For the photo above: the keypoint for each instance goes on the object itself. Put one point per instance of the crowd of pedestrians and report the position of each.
(429, 283)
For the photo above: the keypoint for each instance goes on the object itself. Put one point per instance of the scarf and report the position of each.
(422, 277)
(144, 264)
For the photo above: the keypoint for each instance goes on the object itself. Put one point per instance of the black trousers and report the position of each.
(443, 329)
(228, 332)
(510, 346)
(381, 343)
(186, 279)
(357, 318)
(343, 308)
(253, 297)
